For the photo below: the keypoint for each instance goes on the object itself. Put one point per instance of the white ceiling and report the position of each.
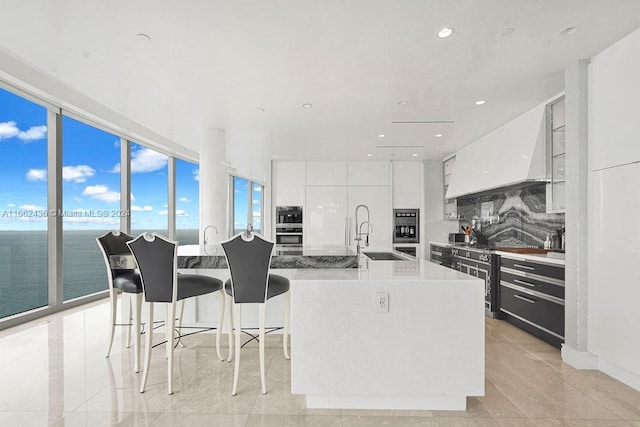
(218, 63)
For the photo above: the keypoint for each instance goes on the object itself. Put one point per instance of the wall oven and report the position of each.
(406, 226)
(289, 225)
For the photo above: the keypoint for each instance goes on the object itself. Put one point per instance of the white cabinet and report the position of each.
(614, 251)
(289, 183)
(377, 199)
(368, 173)
(325, 215)
(406, 184)
(326, 173)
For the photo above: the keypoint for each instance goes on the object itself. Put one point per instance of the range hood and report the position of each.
(512, 154)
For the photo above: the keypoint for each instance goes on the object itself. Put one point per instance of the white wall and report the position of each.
(614, 239)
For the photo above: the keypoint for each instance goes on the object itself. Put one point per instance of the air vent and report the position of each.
(399, 146)
(403, 122)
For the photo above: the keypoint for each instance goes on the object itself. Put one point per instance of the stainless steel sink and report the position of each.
(383, 256)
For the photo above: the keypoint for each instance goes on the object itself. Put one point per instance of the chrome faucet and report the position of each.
(359, 233)
(204, 237)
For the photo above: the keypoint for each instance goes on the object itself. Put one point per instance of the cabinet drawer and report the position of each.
(543, 314)
(533, 284)
(441, 259)
(556, 272)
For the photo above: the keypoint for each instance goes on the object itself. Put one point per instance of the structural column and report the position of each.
(214, 186)
(575, 350)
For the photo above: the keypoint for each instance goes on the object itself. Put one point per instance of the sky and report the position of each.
(90, 172)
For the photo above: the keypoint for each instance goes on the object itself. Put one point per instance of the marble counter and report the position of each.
(306, 257)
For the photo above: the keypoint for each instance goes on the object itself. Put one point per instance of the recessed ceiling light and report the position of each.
(402, 102)
(415, 154)
(568, 31)
(485, 171)
(445, 32)
(438, 135)
(505, 32)
(260, 109)
(369, 155)
(382, 135)
(144, 36)
(480, 102)
(307, 106)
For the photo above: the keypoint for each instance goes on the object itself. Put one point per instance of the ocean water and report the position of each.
(23, 266)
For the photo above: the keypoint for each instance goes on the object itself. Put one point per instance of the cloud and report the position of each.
(185, 199)
(78, 173)
(117, 145)
(101, 192)
(31, 208)
(257, 188)
(37, 175)
(146, 208)
(196, 174)
(146, 160)
(11, 205)
(115, 169)
(163, 212)
(180, 212)
(10, 130)
(77, 199)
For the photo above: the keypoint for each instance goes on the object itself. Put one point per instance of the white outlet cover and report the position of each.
(382, 302)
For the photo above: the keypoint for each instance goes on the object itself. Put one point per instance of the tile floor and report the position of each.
(53, 372)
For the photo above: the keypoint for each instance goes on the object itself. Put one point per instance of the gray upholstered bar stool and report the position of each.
(157, 261)
(122, 280)
(248, 257)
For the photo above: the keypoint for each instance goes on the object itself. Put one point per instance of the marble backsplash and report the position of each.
(523, 220)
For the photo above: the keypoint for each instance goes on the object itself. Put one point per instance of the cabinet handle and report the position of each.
(521, 282)
(525, 299)
(436, 253)
(526, 267)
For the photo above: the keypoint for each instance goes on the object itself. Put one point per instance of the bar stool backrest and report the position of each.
(110, 244)
(248, 260)
(156, 259)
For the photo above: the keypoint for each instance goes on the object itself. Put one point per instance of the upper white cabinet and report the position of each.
(450, 206)
(513, 153)
(614, 91)
(406, 180)
(326, 173)
(289, 183)
(368, 173)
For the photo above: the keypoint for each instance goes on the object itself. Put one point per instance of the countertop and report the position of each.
(531, 254)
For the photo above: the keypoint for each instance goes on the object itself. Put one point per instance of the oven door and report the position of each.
(289, 239)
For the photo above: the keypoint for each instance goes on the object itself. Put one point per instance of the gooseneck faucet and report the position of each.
(359, 232)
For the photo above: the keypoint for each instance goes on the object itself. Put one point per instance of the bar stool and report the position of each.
(248, 257)
(156, 257)
(121, 280)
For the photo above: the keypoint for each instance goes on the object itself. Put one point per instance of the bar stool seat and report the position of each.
(278, 285)
(128, 281)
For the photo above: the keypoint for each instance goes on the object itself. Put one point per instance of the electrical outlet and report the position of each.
(382, 302)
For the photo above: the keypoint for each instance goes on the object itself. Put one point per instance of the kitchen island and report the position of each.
(425, 352)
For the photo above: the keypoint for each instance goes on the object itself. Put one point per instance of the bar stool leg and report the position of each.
(237, 314)
(221, 298)
(285, 332)
(137, 314)
(262, 313)
(147, 349)
(113, 300)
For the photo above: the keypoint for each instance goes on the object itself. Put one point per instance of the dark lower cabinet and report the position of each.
(532, 300)
(440, 255)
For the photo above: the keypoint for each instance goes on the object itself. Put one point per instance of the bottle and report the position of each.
(547, 242)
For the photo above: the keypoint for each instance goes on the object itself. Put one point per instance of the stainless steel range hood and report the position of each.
(512, 154)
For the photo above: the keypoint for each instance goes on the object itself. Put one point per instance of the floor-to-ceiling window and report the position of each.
(149, 190)
(90, 202)
(23, 205)
(247, 204)
(187, 202)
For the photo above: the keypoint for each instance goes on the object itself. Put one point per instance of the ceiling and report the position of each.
(248, 66)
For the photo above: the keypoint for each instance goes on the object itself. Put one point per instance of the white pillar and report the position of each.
(574, 349)
(214, 185)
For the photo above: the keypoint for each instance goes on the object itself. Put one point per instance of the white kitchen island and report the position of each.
(426, 352)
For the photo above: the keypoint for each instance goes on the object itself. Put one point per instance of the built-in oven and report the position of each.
(289, 230)
(406, 226)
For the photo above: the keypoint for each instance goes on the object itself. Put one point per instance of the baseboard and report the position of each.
(627, 377)
(579, 359)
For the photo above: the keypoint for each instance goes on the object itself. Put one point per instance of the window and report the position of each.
(149, 191)
(247, 204)
(23, 205)
(187, 202)
(90, 204)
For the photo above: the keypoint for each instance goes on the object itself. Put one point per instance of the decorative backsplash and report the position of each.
(523, 220)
